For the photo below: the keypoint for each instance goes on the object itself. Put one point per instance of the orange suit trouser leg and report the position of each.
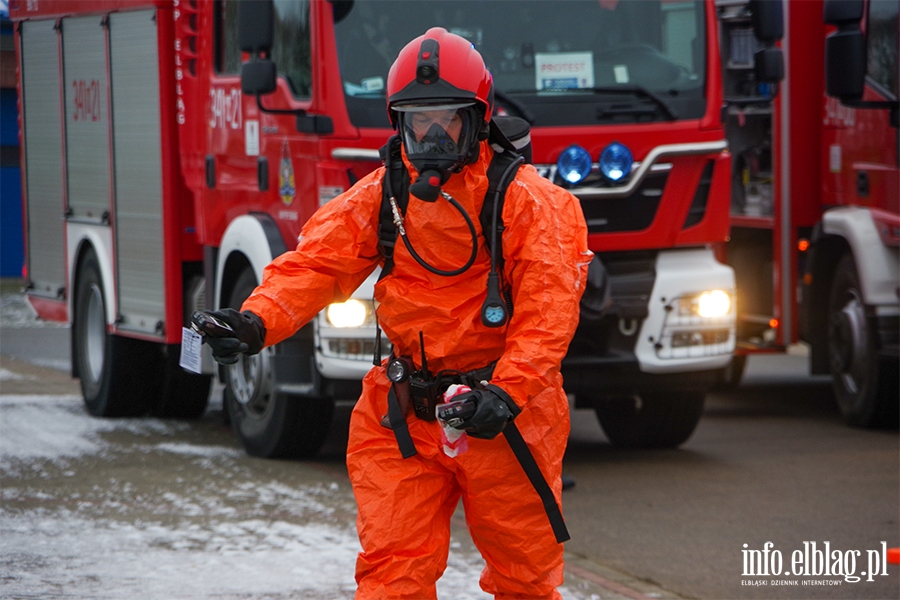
(405, 506)
(508, 522)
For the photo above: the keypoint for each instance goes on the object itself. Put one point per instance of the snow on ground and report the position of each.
(15, 312)
(116, 543)
(221, 529)
(56, 428)
(9, 375)
(60, 552)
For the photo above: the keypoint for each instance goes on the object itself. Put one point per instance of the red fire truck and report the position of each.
(816, 197)
(155, 184)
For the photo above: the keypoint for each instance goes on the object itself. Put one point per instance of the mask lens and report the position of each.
(443, 133)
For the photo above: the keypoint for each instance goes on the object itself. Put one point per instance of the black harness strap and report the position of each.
(399, 426)
(396, 184)
(498, 166)
(533, 472)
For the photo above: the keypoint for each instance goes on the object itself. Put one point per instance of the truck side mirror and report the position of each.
(256, 25)
(258, 76)
(767, 19)
(768, 64)
(845, 50)
(839, 12)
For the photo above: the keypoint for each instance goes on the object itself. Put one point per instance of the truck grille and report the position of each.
(630, 213)
(351, 349)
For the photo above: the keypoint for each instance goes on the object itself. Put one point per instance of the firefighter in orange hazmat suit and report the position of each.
(434, 311)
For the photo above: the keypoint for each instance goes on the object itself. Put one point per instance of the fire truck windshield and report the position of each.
(554, 62)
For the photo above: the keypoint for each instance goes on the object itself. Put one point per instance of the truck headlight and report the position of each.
(351, 313)
(711, 304)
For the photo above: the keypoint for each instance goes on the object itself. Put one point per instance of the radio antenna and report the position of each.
(422, 350)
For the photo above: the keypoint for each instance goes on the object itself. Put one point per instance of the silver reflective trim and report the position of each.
(354, 154)
(646, 166)
(517, 144)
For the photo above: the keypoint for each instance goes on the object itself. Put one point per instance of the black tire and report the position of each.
(119, 375)
(183, 395)
(650, 420)
(864, 386)
(271, 424)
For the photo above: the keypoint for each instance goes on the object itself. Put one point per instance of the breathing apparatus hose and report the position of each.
(512, 168)
(472, 232)
(398, 221)
(398, 218)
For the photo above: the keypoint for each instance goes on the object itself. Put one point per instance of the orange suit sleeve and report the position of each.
(337, 250)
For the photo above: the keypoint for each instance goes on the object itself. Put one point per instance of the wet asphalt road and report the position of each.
(770, 462)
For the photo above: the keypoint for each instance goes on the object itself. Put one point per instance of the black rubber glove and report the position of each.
(493, 410)
(248, 337)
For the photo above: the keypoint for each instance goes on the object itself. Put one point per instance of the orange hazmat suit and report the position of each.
(405, 505)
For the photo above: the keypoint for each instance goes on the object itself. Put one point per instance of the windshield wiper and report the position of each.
(637, 90)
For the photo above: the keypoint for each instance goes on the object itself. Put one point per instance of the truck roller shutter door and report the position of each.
(87, 124)
(42, 131)
(137, 160)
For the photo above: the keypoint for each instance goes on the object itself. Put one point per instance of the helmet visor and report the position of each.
(437, 132)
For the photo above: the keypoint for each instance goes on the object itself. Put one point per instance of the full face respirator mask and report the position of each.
(439, 140)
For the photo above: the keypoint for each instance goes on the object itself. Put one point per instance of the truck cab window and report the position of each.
(882, 42)
(291, 50)
(622, 52)
(227, 53)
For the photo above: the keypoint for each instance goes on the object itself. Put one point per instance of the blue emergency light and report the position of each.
(615, 162)
(574, 164)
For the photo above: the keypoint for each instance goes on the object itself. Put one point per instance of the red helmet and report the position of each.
(439, 68)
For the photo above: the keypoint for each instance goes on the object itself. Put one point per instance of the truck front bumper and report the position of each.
(659, 330)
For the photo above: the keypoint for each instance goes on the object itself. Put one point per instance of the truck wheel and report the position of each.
(864, 386)
(650, 420)
(119, 376)
(183, 395)
(270, 423)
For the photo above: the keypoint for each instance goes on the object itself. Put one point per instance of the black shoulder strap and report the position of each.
(496, 183)
(511, 139)
(396, 183)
